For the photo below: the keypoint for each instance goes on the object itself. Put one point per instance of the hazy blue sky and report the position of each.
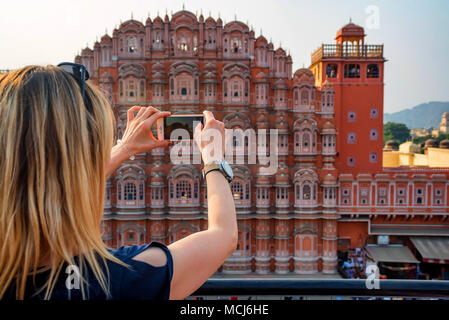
(414, 32)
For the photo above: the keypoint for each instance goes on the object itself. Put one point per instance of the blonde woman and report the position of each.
(56, 143)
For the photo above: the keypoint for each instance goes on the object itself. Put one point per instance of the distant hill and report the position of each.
(425, 115)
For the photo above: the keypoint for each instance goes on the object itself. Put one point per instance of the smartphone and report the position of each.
(186, 123)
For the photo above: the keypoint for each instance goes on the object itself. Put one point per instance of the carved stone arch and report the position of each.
(131, 26)
(234, 26)
(304, 123)
(306, 228)
(158, 74)
(237, 119)
(131, 226)
(184, 225)
(184, 18)
(305, 175)
(304, 76)
(132, 69)
(130, 170)
(184, 169)
(174, 229)
(184, 66)
(236, 69)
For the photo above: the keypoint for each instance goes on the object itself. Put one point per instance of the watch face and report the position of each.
(227, 169)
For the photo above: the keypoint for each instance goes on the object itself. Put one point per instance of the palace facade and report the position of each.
(330, 192)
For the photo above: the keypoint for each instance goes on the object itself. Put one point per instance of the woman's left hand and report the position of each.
(138, 137)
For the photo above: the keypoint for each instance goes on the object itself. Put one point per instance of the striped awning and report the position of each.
(399, 254)
(432, 249)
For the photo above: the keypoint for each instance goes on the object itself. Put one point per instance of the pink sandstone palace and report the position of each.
(330, 193)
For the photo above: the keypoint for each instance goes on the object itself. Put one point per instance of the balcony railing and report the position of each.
(347, 51)
(260, 288)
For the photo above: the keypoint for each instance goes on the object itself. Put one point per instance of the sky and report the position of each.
(414, 33)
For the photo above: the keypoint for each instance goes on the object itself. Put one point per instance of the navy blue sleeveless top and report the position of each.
(141, 281)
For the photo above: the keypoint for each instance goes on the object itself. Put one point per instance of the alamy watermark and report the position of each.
(73, 277)
(372, 277)
(372, 21)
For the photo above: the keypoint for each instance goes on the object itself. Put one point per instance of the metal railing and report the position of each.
(347, 51)
(324, 287)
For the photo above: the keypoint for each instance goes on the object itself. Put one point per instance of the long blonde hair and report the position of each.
(53, 153)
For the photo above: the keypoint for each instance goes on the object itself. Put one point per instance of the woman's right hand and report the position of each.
(211, 138)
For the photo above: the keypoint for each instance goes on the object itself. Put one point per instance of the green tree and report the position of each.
(396, 131)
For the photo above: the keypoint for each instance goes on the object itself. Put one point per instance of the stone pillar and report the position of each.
(282, 256)
(329, 246)
(262, 249)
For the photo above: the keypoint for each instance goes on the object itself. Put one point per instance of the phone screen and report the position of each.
(185, 123)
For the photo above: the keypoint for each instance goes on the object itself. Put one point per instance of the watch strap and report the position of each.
(214, 166)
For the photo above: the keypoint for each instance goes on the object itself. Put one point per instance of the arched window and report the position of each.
(306, 140)
(236, 88)
(237, 190)
(130, 191)
(304, 97)
(142, 88)
(183, 189)
(306, 192)
(225, 88)
(141, 191)
(132, 44)
(119, 191)
(120, 84)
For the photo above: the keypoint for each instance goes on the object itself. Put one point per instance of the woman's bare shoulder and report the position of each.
(154, 256)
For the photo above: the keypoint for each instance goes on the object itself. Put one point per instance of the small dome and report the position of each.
(261, 41)
(210, 21)
(303, 71)
(304, 75)
(157, 20)
(444, 144)
(392, 145)
(351, 30)
(431, 143)
(106, 39)
(280, 52)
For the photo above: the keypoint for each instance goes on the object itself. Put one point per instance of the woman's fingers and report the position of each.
(208, 116)
(131, 113)
(161, 143)
(156, 116)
